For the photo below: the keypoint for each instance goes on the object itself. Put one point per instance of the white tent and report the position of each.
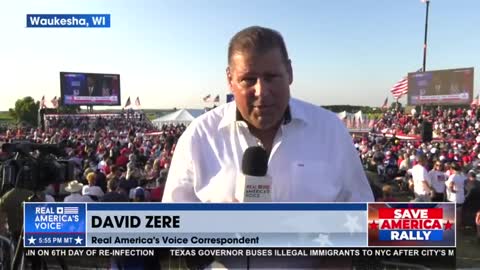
(357, 117)
(181, 116)
(342, 115)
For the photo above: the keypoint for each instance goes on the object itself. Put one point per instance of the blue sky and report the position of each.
(172, 53)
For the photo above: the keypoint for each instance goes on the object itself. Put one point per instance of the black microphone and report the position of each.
(254, 185)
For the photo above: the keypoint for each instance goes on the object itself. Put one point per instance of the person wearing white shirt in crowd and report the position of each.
(74, 188)
(311, 154)
(456, 190)
(448, 169)
(405, 164)
(438, 177)
(456, 186)
(95, 192)
(103, 163)
(420, 180)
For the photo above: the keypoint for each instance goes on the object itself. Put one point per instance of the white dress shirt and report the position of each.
(312, 159)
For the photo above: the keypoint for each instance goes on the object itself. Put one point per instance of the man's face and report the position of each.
(260, 84)
(90, 81)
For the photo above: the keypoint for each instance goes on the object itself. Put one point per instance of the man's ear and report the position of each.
(289, 71)
(229, 78)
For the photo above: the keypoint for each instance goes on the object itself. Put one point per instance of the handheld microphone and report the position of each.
(254, 185)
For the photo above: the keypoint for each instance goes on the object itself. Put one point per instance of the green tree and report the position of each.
(394, 105)
(26, 110)
(69, 109)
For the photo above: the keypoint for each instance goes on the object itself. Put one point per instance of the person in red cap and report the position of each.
(122, 160)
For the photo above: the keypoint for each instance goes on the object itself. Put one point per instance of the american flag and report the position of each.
(70, 210)
(42, 103)
(54, 102)
(385, 104)
(137, 102)
(401, 87)
(128, 104)
(207, 98)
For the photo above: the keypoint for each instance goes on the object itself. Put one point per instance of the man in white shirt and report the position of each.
(456, 186)
(421, 180)
(438, 177)
(311, 154)
(75, 188)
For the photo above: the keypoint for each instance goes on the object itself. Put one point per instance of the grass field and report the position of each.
(5, 116)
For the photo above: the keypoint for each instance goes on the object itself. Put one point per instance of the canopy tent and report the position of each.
(181, 116)
(356, 121)
(357, 117)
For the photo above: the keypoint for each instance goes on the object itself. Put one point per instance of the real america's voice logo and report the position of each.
(54, 224)
(68, 20)
(411, 224)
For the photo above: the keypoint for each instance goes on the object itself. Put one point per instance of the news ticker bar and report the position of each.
(248, 225)
(68, 20)
(253, 252)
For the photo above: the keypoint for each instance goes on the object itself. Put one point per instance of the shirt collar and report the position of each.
(294, 112)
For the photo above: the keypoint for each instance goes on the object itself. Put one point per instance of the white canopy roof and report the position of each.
(358, 116)
(178, 117)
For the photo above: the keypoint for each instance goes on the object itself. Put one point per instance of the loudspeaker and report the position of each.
(427, 131)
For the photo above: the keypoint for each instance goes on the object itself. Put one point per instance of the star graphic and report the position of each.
(352, 224)
(322, 240)
(448, 225)
(292, 222)
(373, 225)
(31, 240)
(78, 240)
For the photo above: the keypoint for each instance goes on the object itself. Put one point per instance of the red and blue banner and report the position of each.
(411, 224)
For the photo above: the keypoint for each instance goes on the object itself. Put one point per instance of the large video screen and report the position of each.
(441, 87)
(90, 89)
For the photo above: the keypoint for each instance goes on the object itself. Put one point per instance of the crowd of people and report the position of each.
(124, 158)
(115, 157)
(446, 168)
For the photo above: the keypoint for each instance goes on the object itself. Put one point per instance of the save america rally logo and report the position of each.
(411, 224)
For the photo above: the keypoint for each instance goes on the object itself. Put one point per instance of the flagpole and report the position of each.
(425, 39)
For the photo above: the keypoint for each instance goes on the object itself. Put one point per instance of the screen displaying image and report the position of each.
(451, 86)
(90, 88)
